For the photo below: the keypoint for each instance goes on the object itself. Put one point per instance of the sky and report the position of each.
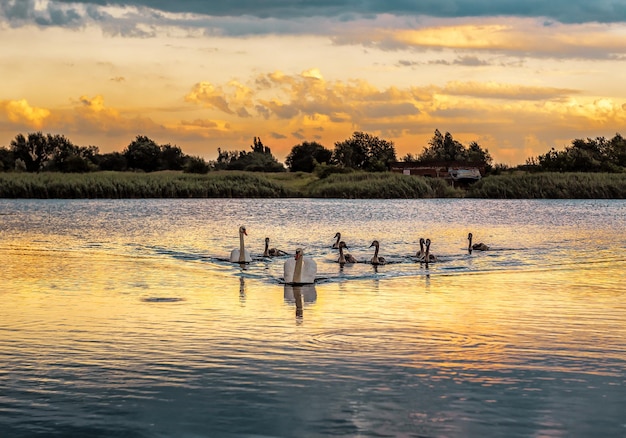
(518, 77)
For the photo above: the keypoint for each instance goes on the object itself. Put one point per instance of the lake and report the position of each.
(125, 318)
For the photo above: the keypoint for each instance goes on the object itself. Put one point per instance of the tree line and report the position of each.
(590, 155)
(37, 152)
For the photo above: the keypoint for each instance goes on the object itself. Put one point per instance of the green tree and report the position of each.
(446, 148)
(616, 151)
(259, 159)
(67, 157)
(224, 158)
(365, 152)
(410, 158)
(143, 154)
(7, 160)
(34, 150)
(196, 165)
(443, 148)
(305, 156)
(589, 155)
(172, 158)
(112, 161)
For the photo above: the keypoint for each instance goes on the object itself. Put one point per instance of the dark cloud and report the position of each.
(468, 61)
(565, 11)
(54, 14)
(471, 61)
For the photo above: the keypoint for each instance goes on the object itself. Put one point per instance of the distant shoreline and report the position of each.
(355, 185)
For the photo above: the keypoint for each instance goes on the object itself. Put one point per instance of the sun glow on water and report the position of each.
(132, 307)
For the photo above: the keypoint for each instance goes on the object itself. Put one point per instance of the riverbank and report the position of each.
(358, 185)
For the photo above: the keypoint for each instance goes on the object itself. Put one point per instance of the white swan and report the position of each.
(240, 255)
(377, 260)
(345, 257)
(477, 246)
(300, 269)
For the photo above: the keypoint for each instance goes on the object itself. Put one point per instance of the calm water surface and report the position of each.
(125, 318)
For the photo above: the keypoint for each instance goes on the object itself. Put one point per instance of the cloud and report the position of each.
(556, 29)
(493, 90)
(43, 13)
(20, 111)
(150, 18)
(468, 61)
(513, 37)
(566, 11)
(232, 98)
(305, 105)
(205, 128)
(472, 61)
(314, 101)
(91, 115)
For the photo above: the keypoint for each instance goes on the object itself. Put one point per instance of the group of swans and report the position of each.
(424, 255)
(299, 270)
(242, 255)
(345, 257)
(302, 270)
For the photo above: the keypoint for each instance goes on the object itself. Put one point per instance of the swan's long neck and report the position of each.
(242, 249)
(297, 270)
(376, 252)
(469, 246)
(338, 239)
(266, 253)
(342, 258)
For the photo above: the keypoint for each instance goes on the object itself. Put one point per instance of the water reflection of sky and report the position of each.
(134, 311)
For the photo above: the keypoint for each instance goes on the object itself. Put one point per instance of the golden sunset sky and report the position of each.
(518, 77)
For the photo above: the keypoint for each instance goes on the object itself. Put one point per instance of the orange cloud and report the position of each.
(20, 111)
(500, 115)
(516, 36)
(513, 121)
(230, 99)
(505, 91)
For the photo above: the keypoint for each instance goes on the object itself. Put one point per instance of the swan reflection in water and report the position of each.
(299, 295)
(242, 290)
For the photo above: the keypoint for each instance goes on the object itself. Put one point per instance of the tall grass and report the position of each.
(361, 185)
(356, 185)
(139, 185)
(551, 186)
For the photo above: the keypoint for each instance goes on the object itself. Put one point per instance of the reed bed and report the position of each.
(379, 186)
(356, 185)
(116, 185)
(551, 186)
